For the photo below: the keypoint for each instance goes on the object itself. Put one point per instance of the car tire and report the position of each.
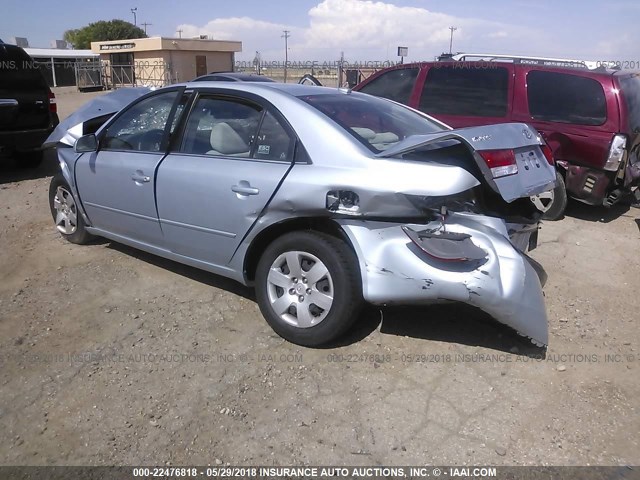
(552, 204)
(29, 159)
(64, 209)
(283, 296)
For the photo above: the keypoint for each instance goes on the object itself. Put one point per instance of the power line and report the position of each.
(179, 32)
(145, 24)
(286, 51)
(453, 29)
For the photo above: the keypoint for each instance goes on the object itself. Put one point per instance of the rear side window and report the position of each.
(273, 141)
(221, 127)
(458, 90)
(18, 71)
(566, 98)
(395, 85)
(631, 92)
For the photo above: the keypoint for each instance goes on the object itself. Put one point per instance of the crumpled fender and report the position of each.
(504, 284)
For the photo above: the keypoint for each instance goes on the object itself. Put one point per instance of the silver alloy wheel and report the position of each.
(300, 289)
(66, 212)
(543, 201)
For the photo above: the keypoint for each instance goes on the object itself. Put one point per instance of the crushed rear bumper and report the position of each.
(506, 284)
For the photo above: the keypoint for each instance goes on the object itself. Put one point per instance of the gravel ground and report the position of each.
(112, 356)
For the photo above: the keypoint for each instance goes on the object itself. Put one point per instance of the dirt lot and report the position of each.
(112, 356)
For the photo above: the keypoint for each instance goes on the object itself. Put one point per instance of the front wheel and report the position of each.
(65, 212)
(553, 203)
(308, 287)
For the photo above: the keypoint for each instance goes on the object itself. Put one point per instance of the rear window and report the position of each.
(462, 90)
(566, 98)
(376, 123)
(18, 71)
(395, 85)
(630, 85)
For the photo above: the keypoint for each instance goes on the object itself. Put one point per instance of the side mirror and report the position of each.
(86, 143)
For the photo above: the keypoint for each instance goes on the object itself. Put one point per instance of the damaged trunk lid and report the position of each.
(510, 156)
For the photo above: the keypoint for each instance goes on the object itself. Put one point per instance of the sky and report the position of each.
(364, 30)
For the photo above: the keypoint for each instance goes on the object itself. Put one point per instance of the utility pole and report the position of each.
(453, 29)
(135, 20)
(145, 24)
(179, 32)
(286, 52)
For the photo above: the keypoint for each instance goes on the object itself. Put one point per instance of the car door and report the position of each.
(233, 155)
(117, 183)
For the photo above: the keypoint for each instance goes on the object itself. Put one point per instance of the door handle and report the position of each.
(139, 177)
(8, 102)
(245, 188)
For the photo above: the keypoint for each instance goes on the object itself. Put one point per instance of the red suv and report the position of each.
(589, 117)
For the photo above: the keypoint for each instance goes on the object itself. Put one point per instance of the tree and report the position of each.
(81, 38)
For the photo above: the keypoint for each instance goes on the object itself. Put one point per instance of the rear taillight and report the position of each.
(546, 150)
(616, 153)
(53, 106)
(501, 162)
(548, 154)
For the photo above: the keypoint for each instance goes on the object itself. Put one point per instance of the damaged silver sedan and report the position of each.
(320, 198)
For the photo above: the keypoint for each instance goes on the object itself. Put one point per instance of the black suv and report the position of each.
(28, 111)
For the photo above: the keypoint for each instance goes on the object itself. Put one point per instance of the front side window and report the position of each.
(460, 90)
(395, 85)
(565, 98)
(141, 127)
(375, 122)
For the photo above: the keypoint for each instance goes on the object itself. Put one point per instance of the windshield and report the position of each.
(375, 122)
(631, 91)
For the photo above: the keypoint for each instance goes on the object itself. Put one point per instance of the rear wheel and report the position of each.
(553, 203)
(308, 287)
(65, 212)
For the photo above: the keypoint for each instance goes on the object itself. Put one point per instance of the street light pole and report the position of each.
(135, 20)
(286, 52)
(453, 29)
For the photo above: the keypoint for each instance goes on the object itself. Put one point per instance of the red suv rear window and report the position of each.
(566, 98)
(630, 85)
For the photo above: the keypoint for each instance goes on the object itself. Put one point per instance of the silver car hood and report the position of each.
(72, 127)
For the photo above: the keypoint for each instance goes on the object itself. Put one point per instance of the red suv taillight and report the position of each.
(53, 106)
(501, 162)
(616, 153)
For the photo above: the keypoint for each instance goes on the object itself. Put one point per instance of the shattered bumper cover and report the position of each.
(506, 284)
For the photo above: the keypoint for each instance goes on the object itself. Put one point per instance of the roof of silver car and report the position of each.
(293, 89)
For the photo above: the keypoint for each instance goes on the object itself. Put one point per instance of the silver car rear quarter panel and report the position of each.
(505, 285)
